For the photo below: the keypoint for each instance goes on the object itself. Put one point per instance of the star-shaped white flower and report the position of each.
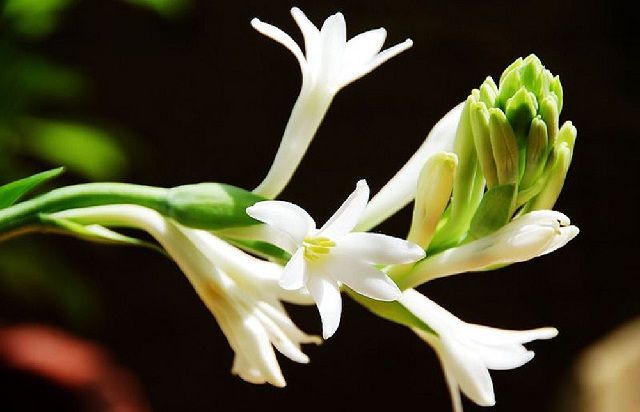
(329, 63)
(467, 351)
(323, 258)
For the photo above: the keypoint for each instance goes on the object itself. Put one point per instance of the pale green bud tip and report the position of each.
(432, 196)
(211, 206)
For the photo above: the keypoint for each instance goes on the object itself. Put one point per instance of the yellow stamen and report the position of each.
(315, 247)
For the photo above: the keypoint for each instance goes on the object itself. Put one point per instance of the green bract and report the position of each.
(509, 141)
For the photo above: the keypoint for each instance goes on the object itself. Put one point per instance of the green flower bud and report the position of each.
(432, 196)
(556, 170)
(211, 206)
(536, 152)
(505, 147)
(479, 117)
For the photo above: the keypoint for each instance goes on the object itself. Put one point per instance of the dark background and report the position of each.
(207, 98)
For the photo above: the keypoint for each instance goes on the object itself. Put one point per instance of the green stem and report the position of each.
(83, 195)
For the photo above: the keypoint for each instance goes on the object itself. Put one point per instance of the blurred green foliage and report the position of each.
(30, 273)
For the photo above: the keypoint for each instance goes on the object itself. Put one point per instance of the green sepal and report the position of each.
(495, 211)
(12, 192)
(211, 206)
(392, 311)
(94, 233)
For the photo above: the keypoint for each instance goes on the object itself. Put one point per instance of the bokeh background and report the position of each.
(167, 92)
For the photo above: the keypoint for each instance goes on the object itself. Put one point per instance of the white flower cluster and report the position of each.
(244, 292)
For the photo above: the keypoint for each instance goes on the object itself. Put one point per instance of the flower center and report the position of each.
(316, 247)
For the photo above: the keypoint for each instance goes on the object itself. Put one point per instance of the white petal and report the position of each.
(378, 248)
(357, 72)
(284, 216)
(283, 343)
(326, 293)
(495, 336)
(255, 360)
(363, 278)
(347, 216)
(566, 234)
(284, 322)
(311, 36)
(400, 190)
(293, 273)
(282, 38)
(502, 357)
(469, 370)
(359, 51)
(333, 38)
(454, 389)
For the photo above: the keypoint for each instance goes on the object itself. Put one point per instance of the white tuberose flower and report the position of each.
(467, 351)
(321, 258)
(533, 234)
(240, 291)
(330, 63)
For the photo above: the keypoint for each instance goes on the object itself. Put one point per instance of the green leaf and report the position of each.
(94, 233)
(494, 211)
(11, 192)
(84, 149)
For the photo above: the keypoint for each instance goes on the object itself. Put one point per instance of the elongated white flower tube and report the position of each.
(467, 351)
(526, 237)
(401, 189)
(323, 258)
(329, 63)
(240, 291)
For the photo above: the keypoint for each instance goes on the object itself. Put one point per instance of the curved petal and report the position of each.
(284, 216)
(378, 248)
(359, 51)
(470, 372)
(333, 39)
(283, 38)
(293, 274)
(400, 190)
(280, 340)
(357, 72)
(502, 357)
(326, 293)
(363, 278)
(347, 216)
(311, 36)
(566, 234)
(495, 336)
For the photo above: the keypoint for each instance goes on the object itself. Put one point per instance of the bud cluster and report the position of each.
(509, 141)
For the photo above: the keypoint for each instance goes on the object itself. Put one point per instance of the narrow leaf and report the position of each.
(11, 192)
